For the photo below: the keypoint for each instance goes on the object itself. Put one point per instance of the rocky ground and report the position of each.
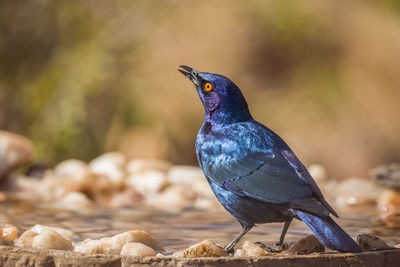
(112, 180)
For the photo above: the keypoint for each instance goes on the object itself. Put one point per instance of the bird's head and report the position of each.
(222, 99)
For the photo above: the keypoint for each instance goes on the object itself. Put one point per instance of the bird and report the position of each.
(253, 173)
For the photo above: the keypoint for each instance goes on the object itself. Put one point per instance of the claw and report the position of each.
(229, 251)
(276, 248)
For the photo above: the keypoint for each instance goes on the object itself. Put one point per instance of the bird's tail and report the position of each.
(329, 233)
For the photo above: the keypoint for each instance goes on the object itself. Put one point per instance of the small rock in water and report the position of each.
(106, 244)
(127, 198)
(149, 181)
(9, 232)
(387, 175)
(73, 174)
(137, 250)
(50, 239)
(26, 239)
(249, 249)
(138, 165)
(38, 228)
(184, 175)
(205, 248)
(318, 172)
(135, 236)
(3, 197)
(15, 151)
(356, 192)
(71, 168)
(306, 245)
(371, 242)
(389, 208)
(112, 165)
(74, 201)
(173, 198)
(89, 246)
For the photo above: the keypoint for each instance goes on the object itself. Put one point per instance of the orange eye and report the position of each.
(208, 87)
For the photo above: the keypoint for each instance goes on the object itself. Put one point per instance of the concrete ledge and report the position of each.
(13, 256)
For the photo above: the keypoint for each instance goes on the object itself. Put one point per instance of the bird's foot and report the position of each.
(277, 247)
(229, 250)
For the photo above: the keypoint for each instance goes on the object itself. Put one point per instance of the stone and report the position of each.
(354, 192)
(3, 197)
(149, 181)
(50, 239)
(389, 208)
(138, 165)
(174, 198)
(15, 151)
(75, 201)
(106, 244)
(205, 248)
(137, 250)
(184, 175)
(73, 174)
(112, 165)
(127, 198)
(249, 249)
(371, 242)
(38, 228)
(9, 232)
(90, 247)
(202, 188)
(306, 245)
(26, 239)
(135, 236)
(71, 168)
(387, 175)
(318, 172)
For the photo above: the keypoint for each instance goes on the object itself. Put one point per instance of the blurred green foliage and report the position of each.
(83, 77)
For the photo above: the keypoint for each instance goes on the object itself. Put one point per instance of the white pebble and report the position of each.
(38, 228)
(173, 198)
(184, 175)
(9, 232)
(318, 172)
(26, 239)
(205, 248)
(71, 168)
(74, 201)
(356, 192)
(149, 181)
(112, 165)
(139, 165)
(50, 239)
(249, 249)
(89, 246)
(135, 236)
(137, 250)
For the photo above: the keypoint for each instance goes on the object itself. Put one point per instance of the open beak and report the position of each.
(190, 74)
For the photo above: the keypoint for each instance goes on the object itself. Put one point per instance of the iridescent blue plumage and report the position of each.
(252, 171)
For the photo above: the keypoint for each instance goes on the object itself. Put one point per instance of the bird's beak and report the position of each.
(190, 74)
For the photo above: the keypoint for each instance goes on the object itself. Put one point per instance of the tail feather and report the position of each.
(329, 233)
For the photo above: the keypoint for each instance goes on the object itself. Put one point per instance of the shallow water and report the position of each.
(174, 230)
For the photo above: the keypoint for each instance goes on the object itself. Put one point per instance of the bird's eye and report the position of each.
(208, 87)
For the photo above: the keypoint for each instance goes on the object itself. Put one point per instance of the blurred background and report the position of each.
(83, 77)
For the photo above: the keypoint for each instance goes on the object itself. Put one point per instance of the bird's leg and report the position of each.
(229, 248)
(280, 245)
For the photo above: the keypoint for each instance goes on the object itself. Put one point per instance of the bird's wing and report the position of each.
(262, 175)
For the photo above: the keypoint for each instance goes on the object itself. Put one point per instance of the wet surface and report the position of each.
(174, 231)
